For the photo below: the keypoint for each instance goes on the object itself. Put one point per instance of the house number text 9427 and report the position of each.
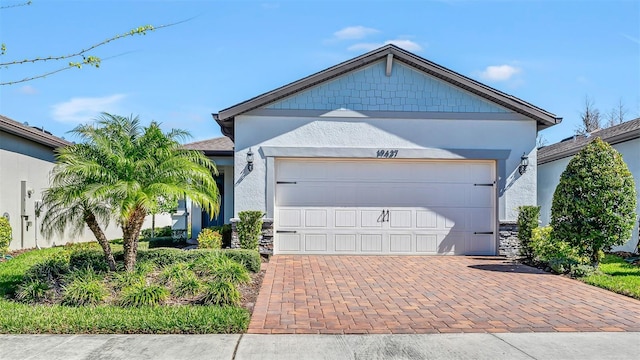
(387, 153)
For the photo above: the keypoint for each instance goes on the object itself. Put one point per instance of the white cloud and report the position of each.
(80, 110)
(631, 38)
(28, 90)
(354, 32)
(499, 72)
(403, 43)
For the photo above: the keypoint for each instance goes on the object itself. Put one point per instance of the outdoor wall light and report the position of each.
(524, 162)
(250, 160)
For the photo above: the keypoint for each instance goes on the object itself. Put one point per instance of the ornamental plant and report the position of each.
(249, 229)
(5, 235)
(209, 239)
(527, 221)
(594, 204)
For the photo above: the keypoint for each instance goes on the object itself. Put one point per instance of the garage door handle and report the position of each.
(285, 231)
(483, 184)
(286, 182)
(483, 232)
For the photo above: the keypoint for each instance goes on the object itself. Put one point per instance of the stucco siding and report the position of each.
(514, 137)
(406, 89)
(549, 177)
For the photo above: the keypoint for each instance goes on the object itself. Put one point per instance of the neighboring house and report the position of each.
(27, 156)
(553, 159)
(386, 153)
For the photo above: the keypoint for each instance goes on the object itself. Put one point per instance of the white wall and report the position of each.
(549, 177)
(252, 131)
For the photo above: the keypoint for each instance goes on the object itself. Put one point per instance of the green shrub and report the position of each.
(88, 258)
(226, 269)
(32, 291)
(187, 285)
(594, 204)
(225, 230)
(126, 279)
(82, 274)
(49, 270)
(173, 273)
(559, 255)
(527, 221)
(5, 235)
(143, 295)
(165, 231)
(582, 270)
(221, 293)
(83, 292)
(209, 239)
(249, 229)
(166, 241)
(250, 259)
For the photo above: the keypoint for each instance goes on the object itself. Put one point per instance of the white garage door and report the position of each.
(384, 207)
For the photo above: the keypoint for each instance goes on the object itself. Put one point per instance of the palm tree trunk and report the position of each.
(130, 233)
(93, 225)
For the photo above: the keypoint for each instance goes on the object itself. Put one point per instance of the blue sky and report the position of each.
(549, 53)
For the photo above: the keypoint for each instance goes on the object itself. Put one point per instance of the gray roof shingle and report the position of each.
(220, 146)
(25, 131)
(626, 131)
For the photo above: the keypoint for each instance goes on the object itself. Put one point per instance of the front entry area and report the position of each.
(384, 206)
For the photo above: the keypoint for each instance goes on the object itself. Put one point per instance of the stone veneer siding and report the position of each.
(265, 244)
(509, 244)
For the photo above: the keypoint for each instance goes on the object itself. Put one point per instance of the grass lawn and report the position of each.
(618, 276)
(16, 317)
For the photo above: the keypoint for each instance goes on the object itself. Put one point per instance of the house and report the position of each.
(386, 153)
(553, 159)
(27, 156)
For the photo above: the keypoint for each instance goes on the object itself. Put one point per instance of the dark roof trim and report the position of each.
(544, 118)
(27, 132)
(218, 152)
(626, 131)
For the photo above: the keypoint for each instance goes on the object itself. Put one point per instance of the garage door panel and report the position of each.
(315, 242)
(290, 218)
(400, 243)
(385, 207)
(345, 243)
(371, 243)
(315, 218)
(289, 242)
(345, 218)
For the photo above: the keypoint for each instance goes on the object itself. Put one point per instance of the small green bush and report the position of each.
(5, 235)
(84, 292)
(225, 230)
(250, 259)
(187, 285)
(166, 242)
(582, 270)
(82, 274)
(527, 221)
(594, 203)
(126, 279)
(249, 229)
(88, 258)
(173, 273)
(143, 295)
(32, 291)
(221, 293)
(226, 269)
(160, 232)
(49, 270)
(209, 239)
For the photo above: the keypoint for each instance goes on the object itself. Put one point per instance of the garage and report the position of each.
(384, 206)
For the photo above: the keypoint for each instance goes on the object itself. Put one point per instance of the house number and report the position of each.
(387, 153)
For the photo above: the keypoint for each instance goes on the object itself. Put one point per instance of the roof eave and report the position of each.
(612, 140)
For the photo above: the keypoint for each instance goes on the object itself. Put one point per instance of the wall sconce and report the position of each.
(250, 160)
(524, 162)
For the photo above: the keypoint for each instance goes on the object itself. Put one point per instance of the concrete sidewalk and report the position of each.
(437, 346)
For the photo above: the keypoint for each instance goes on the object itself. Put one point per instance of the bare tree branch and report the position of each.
(590, 117)
(26, 3)
(617, 114)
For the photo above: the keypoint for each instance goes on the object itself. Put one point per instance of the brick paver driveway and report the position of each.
(429, 294)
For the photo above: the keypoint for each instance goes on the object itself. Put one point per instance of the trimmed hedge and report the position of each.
(166, 241)
(527, 221)
(5, 235)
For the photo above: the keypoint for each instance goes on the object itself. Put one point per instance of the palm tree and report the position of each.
(127, 168)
